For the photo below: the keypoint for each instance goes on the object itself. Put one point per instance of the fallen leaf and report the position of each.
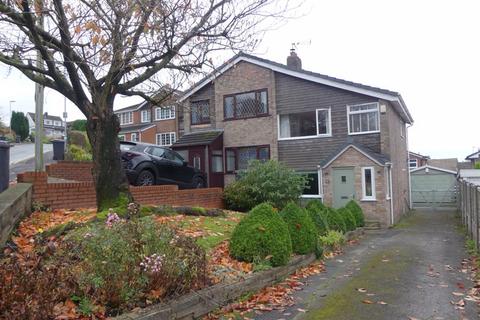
(458, 294)
(382, 302)
(363, 290)
(366, 301)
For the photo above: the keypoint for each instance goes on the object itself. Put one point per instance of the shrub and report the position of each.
(261, 235)
(301, 227)
(349, 218)
(268, 181)
(78, 154)
(335, 221)
(357, 212)
(317, 212)
(332, 240)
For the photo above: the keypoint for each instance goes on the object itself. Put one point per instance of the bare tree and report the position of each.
(93, 50)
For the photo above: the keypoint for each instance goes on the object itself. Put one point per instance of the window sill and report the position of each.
(164, 119)
(360, 133)
(305, 137)
(247, 118)
(201, 124)
(368, 199)
(312, 196)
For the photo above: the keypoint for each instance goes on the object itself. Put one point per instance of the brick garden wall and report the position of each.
(71, 170)
(78, 195)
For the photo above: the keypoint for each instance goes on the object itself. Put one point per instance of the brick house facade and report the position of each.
(350, 139)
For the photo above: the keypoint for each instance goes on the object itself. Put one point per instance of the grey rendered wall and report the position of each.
(15, 203)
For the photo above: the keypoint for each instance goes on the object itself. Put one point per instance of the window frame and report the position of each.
(360, 112)
(373, 197)
(132, 135)
(235, 152)
(121, 116)
(233, 95)
(320, 185)
(147, 112)
(161, 140)
(191, 114)
(121, 137)
(410, 162)
(172, 111)
(216, 154)
(328, 134)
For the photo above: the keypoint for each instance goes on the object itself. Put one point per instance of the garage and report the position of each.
(433, 187)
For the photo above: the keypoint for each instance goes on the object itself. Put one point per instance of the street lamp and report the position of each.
(10, 103)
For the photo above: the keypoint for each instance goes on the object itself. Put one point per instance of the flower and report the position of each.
(152, 263)
(112, 218)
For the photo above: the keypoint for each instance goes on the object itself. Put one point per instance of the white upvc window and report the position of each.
(402, 129)
(165, 113)
(368, 184)
(166, 139)
(126, 117)
(134, 137)
(47, 122)
(304, 125)
(363, 118)
(314, 187)
(121, 137)
(413, 163)
(145, 116)
(388, 181)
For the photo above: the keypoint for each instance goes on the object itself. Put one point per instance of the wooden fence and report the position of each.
(469, 206)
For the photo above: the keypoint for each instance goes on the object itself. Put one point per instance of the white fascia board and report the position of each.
(433, 168)
(345, 149)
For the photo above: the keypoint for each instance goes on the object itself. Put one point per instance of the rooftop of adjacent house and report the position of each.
(197, 138)
(470, 175)
(474, 155)
(136, 127)
(418, 155)
(138, 106)
(385, 94)
(46, 116)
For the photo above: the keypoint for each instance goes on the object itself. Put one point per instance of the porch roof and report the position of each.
(199, 138)
(379, 158)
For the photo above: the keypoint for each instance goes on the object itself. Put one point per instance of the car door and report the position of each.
(161, 164)
(180, 172)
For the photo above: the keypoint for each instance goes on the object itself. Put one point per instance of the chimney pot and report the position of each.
(293, 60)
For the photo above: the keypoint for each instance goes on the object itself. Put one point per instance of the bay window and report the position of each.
(245, 105)
(310, 124)
(238, 158)
(200, 112)
(363, 118)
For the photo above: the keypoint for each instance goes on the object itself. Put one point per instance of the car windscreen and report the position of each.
(126, 147)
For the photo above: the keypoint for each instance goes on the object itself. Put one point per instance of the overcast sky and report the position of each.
(429, 51)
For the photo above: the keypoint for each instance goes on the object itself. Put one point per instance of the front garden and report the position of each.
(83, 264)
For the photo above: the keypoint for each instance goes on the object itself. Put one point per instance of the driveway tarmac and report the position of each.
(411, 272)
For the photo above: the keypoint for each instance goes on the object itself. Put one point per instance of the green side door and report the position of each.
(343, 186)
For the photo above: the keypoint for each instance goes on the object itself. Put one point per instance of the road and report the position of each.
(25, 151)
(413, 271)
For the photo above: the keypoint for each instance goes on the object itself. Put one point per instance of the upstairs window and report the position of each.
(146, 116)
(245, 105)
(126, 118)
(200, 112)
(165, 113)
(363, 118)
(308, 124)
(47, 122)
(413, 163)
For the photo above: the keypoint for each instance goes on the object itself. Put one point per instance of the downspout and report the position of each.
(408, 169)
(390, 185)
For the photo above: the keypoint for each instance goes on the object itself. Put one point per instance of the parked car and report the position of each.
(147, 164)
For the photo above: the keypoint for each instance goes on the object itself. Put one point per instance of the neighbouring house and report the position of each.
(53, 126)
(156, 124)
(349, 138)
(473, 158)
(416, 160)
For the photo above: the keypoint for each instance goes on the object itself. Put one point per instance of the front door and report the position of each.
(343, 186)
(196, 158)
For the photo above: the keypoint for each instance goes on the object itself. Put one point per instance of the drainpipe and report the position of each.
(391, 193)
(408, 169)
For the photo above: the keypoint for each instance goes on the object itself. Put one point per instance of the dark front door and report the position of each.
(196, 158)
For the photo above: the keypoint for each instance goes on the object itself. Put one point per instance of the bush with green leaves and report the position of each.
(261, 235)
(357, 212)
(317, 212)
(301, 227)
(118, 261)
(335, 220)
(268, 181)
(333, 240)
(348, 217)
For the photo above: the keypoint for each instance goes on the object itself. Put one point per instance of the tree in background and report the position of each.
(94, 50)
(79, 125)
(19, 124)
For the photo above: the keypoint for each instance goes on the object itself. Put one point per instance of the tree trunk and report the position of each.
(111, 184)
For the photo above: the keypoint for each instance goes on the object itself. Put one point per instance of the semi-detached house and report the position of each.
(350, 139)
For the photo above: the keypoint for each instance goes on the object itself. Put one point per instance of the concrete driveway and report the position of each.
(410, 272)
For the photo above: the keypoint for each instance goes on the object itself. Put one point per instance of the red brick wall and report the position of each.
(71, 170)
(82, 194)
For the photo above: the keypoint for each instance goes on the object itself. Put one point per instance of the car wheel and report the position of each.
(198, 183)
(145, 178)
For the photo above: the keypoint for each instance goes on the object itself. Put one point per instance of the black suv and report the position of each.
(148, 164)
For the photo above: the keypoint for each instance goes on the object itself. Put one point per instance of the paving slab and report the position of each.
(409, 272)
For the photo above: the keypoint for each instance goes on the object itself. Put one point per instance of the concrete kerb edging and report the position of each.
(200, 303)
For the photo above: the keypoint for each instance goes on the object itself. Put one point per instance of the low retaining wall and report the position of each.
(199, 303)
(15, 204)
(76, 195)
(71, 170)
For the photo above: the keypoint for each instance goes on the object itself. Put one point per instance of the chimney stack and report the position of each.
(293, 61)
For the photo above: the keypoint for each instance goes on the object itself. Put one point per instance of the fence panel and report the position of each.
(469, 207)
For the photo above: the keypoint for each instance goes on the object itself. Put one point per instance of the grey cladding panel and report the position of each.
(298, 95)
